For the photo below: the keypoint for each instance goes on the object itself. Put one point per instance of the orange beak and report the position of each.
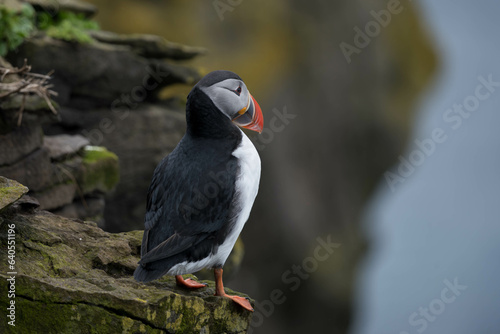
(250, 117)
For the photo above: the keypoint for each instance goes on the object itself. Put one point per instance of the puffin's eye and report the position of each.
(238, 90)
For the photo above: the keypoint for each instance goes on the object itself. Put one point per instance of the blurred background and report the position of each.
(378, 209)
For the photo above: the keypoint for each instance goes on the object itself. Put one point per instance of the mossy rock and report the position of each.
(33, 104)
(100, 72)
(10, 191)
(100, 170)
(73, 277)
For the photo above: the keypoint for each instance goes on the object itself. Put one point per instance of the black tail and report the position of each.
(141, 274)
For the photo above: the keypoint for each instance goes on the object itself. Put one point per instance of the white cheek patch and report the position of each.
(225, 99)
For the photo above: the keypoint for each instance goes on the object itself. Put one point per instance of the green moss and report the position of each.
(10, 191)
(10, 194)
(15, 26)
(96, 153)
(67, 26)
(19, 22)
(73, 318)
(101, 170)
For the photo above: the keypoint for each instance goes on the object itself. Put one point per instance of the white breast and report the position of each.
(247, 186)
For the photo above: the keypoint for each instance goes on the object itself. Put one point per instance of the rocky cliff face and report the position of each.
(73, 277)
(63, 172)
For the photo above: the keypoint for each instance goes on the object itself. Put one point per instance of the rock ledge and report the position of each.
(72, 277)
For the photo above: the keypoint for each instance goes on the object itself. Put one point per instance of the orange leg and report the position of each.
(189, 283)
(219, 291)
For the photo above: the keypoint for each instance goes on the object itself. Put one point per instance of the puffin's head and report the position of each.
(230, 95)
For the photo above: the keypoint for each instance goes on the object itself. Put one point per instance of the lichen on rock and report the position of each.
(10, 191)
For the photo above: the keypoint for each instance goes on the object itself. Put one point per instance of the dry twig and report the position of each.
(27, 84)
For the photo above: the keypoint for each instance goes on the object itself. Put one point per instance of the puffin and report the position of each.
(201, 194)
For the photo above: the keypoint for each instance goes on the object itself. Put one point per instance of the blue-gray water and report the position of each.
(443, 222)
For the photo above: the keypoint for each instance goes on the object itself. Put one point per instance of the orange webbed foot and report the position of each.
(219, 291)
(189, 283)
(242, 301)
